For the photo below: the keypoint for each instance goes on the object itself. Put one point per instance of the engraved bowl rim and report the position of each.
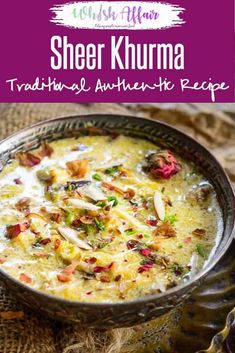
(177, 290)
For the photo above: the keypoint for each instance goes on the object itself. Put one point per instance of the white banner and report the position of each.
(133, 15)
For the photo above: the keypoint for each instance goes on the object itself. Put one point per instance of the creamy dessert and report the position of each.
(105, 218)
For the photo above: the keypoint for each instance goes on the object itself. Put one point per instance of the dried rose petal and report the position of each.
(27, 159)
(145, 252)
(145, 267)
(98, 269)
(199, 232)
(152, 222)
(117, 278)
(46, 150)
(55, 217)
(163, 164)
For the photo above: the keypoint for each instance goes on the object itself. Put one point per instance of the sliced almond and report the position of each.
(132, 220)
(159, 205)
(84, 205)
(73, 236)
(94, 193)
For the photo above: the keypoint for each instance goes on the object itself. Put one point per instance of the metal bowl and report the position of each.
(128, 313)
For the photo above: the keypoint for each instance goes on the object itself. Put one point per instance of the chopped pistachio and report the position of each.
(99, 224)
(129, 231)
(101, 204)
(69, 217)
(113, 199)
(201, 251)
(170, 219)
(111, 170)
(96, 176)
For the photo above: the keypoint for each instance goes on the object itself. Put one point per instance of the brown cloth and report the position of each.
(27, 333)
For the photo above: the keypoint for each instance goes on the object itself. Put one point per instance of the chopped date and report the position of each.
(45, 241)
(145, 252)
(117, 278)
(199, 232)
(57, 244)
(152, 222)
(18, 181)
(55, 217)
